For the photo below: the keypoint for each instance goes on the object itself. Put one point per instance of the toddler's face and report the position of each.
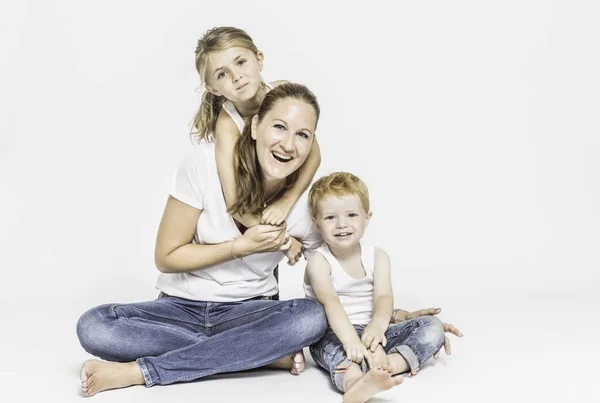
(342, 220)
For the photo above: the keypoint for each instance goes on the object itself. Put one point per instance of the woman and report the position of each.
(217, 276)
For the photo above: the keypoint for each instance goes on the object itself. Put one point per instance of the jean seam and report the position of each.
(282, 306)
(112, 308)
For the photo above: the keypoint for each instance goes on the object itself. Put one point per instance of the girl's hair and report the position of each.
(214, 40)
(337, 184)
(250, 192)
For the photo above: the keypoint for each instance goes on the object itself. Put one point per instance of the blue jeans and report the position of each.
(416, 340)
(176, 340)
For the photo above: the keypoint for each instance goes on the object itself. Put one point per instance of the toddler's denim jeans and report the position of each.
(416, 340)
(175, 340)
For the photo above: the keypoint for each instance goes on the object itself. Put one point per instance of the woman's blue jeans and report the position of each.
(176, 340)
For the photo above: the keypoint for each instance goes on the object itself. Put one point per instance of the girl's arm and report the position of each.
(383, 302)
(175, 252)
(226, 135)
(318, 274)
(278, 211)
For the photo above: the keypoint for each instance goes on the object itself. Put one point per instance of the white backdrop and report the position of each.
(474, 124)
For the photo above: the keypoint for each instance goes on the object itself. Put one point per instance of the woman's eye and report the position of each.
(241, 62)
(303, 135)
(278, 126)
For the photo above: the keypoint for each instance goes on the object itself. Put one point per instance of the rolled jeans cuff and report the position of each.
(145, 372)
(409, 355)
(338, 375)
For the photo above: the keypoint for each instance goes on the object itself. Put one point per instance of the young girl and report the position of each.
(360, 349)
(229, 65)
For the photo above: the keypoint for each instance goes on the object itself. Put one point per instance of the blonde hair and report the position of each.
(250, 192)
(337, 184)
(214, 40)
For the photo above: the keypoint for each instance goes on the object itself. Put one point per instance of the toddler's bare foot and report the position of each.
(295, 363)
(97, 376)
(376, 380)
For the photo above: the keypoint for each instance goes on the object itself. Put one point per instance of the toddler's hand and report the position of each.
(355, 352)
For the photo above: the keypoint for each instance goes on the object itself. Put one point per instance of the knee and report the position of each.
(92, 330)
(433, 332)
(310, 320)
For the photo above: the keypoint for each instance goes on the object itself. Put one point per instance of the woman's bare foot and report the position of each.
(295, 363)
(376, 380)
(97, 376)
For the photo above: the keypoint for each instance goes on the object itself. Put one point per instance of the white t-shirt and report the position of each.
(197, 184)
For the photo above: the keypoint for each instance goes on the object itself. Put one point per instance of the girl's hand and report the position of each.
(355, 352)
(277, 212)
(260, 238)
(294, 253)
(374, 335)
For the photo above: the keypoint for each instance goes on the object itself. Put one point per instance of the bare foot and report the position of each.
(376, 380)
(295, 363)
(97, 376)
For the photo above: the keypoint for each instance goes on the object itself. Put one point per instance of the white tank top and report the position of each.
(356, 295)
(229, 107)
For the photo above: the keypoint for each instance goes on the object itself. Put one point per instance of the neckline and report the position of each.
(362, 263)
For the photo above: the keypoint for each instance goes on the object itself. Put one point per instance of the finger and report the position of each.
(278, 220)
(436, 355)
(447, 345)
(368, 340)
(375, 342)
(448, 328)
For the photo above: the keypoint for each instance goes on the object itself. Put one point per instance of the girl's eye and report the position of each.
(221, 75)
(278, 126)
(303, 135)
(241, 62)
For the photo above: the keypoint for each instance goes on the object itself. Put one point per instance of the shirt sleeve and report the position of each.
(187, 185)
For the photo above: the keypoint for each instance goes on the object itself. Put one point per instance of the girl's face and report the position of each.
(284, 137)
(234, 73)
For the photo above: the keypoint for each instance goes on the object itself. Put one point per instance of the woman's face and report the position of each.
(284, 137)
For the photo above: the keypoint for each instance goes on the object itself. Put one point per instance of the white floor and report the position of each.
(517, 347)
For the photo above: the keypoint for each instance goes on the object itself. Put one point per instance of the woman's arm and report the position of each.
(226, 135)
(174, 252)
(278, 211)
(318, 273)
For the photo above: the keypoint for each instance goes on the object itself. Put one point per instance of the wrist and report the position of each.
(239, 249)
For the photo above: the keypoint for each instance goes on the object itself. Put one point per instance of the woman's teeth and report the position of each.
(281, 157)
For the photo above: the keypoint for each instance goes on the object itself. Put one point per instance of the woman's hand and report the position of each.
(277, 212)
(260, 238)
(374, 335)
(402, 315)
(355, 351)
(294, 253)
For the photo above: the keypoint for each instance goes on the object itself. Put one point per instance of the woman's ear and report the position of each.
(253, 127)
(260, 57)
